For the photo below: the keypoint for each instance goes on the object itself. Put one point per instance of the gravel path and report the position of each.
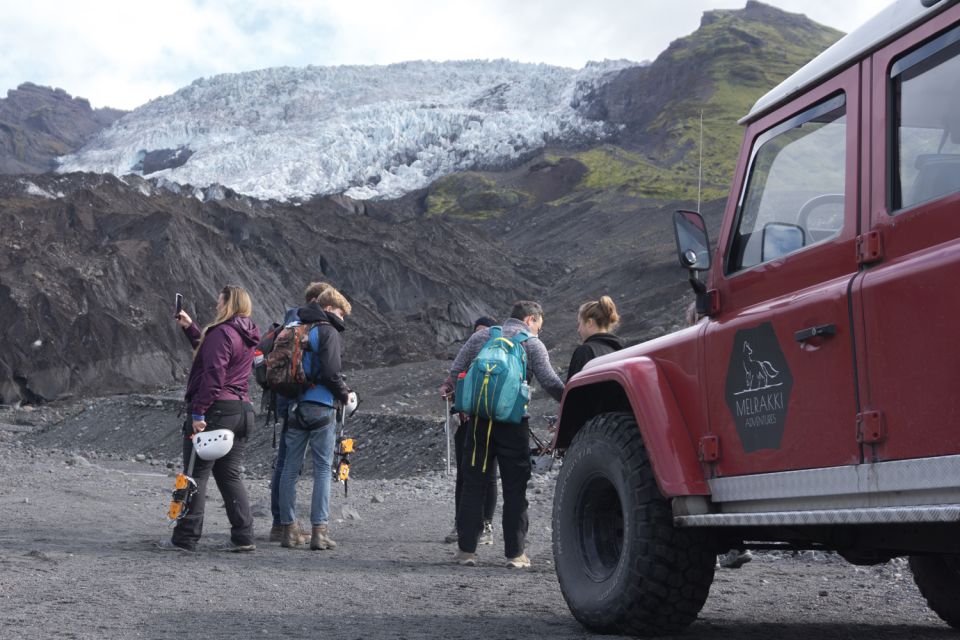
(77, 560)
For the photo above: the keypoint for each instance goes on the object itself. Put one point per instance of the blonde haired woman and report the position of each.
(596, 322)
(217, 398)
(311, 419)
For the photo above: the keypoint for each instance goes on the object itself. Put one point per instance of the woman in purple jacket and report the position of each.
(217, 399)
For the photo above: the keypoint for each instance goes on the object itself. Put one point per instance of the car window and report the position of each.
(925, 87)
(793, 197)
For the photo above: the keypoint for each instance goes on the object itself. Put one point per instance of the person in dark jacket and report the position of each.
(509, 443)
(312, 292)
(596, 322)
(217, 398)
(311, 419)
(459, 440)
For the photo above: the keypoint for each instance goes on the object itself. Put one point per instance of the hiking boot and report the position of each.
(170, 545)
(453, 536)
(292, 536)
(520, 562)
(321, 540)
(734, 559)
(232, 547)
(465, 558)
(487, 536)
(276, 534)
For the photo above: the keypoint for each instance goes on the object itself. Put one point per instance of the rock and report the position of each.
(349, 513)
(78, 461)
(377, 499)
(139, 457)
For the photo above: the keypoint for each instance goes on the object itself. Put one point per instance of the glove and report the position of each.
(351, 406)
(446, 389)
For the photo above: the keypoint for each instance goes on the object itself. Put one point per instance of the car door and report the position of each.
(779, 359)
(907, 301)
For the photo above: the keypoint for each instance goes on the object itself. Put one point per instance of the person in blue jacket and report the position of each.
(312, 292)
(311, 419)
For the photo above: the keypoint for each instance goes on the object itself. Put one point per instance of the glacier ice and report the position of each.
(366, 131)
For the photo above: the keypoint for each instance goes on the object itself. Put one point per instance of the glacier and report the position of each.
(369, 132)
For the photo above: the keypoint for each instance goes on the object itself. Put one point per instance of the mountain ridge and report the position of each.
(39, 124)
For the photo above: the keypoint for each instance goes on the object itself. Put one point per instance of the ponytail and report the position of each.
(603, 312)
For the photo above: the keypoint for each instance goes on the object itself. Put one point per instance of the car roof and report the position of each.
(893, 20)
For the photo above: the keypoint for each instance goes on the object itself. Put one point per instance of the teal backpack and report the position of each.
(495, 385)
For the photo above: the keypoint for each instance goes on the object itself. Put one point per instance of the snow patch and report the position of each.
(32, 189)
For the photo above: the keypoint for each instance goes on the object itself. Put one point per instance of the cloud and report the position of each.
(122, 54)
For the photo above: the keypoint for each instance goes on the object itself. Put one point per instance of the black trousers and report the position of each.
(509, 449)
(490, 488)
(226, 473)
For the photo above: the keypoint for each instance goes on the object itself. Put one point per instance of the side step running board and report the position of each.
(877, 515)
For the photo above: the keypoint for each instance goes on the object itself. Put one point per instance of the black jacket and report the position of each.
(326, 365)
(599, 344)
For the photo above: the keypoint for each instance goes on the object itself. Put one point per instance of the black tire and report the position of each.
(938, 578)
(621, 564)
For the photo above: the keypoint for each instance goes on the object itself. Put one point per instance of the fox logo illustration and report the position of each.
(759, 373)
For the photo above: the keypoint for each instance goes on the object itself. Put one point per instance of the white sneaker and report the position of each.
(520, 562)
(465, 559)
(487, 536)
(734, 559)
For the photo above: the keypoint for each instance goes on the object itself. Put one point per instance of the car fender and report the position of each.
(637, 385)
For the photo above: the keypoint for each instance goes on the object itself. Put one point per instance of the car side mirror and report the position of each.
(780, 239)
(693, 246)
(693, 249)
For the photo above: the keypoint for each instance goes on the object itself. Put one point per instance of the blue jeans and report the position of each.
(313, 424)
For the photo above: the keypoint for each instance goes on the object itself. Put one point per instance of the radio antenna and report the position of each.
(700, 167)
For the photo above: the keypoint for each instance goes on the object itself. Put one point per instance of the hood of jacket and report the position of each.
(313, 312)
(608, 339)
(247, 330)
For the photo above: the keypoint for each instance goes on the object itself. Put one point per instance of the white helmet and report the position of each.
(211, 445)
(352, 402)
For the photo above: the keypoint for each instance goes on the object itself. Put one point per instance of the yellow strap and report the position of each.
(473, 459)
(476, 413)
(486, 452)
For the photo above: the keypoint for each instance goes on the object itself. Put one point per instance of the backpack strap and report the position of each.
(313, 340)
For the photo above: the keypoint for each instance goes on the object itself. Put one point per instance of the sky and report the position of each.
(122, 54)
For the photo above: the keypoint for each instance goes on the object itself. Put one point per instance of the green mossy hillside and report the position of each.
(471, 196)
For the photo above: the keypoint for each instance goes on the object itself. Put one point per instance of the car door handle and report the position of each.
(824, 330)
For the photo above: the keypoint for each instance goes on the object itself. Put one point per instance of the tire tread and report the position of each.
(668, 585)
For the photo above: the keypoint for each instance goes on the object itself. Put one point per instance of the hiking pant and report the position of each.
(226, 473)
(490, 488)
(277, 470)
(314, 424)
(509, 448)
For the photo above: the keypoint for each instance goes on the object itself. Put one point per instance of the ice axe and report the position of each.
(446, 430)
(541, 456)
(344, 447)
(184, 488)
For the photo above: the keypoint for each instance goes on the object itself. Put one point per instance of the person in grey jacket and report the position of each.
(509, 443)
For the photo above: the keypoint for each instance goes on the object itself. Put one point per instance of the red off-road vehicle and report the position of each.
(817, 403)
